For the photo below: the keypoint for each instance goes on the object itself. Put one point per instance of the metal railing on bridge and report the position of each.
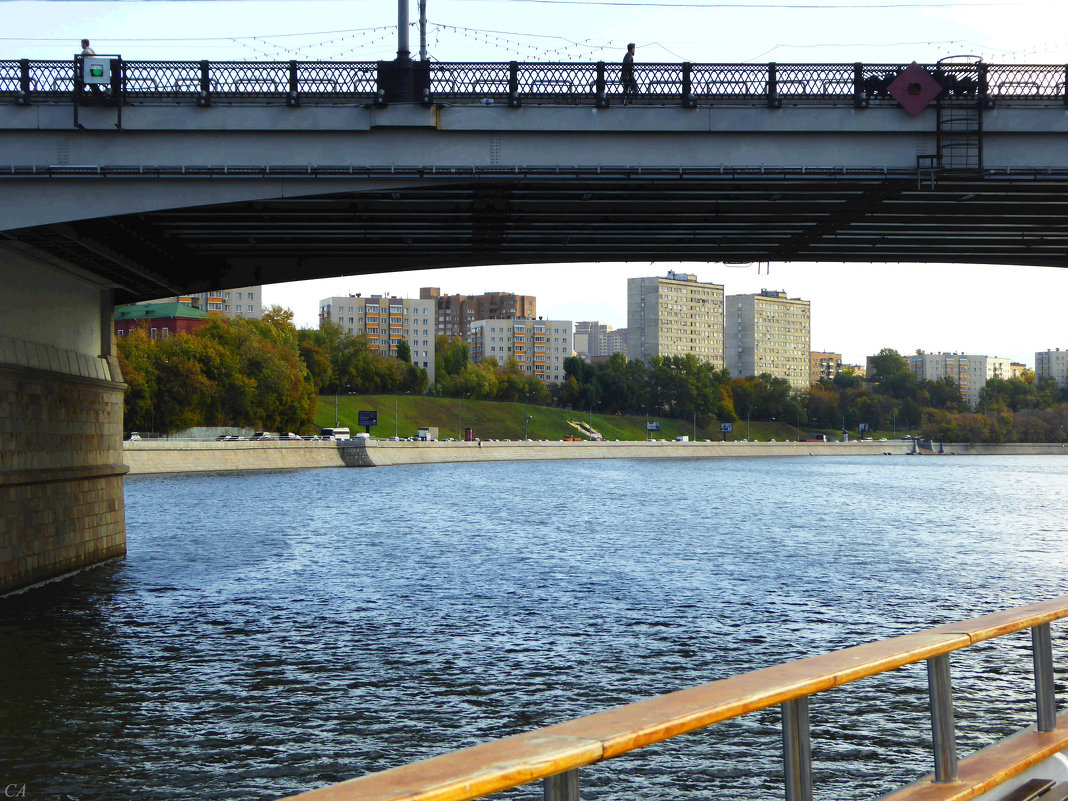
(295, 83)
(555, 754)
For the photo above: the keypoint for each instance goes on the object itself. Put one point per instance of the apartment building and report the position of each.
(243, 302)
(823, 365)
(970, 371)
(616, 341)
(859, 370)
(769, 332)
(454, 314)
(592, 339)
(385, 321)
(538, 346)
(674, 316)
(1052, 364)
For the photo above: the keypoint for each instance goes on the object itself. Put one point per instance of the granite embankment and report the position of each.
(185, 456)
(197, 456)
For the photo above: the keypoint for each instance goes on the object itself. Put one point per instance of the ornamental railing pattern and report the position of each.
(295, 82)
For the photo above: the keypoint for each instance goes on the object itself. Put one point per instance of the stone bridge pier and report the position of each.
(61, 406)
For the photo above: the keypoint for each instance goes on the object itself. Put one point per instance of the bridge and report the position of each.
(132, 180)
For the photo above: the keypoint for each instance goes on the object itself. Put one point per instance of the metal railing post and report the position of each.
(773, 87)
(859, 98)
(1066, 85)
(602, 98)
(204, 95)
(1045, 698)
(796, 750)
(687, 86)
(942, 730)
(513, 85)
(23, 98)
(984, 87)
(561, 787)
(293, 96)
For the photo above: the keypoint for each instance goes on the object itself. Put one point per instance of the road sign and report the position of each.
(367, 418)
(726, 428)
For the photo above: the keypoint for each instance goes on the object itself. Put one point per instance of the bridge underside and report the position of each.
(502, 216)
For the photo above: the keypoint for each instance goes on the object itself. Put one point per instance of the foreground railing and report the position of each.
(295, 82)
(556, 753)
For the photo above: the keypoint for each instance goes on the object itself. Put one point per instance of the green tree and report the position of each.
(451, 356)
(890, 371)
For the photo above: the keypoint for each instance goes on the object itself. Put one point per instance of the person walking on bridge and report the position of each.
(626, 75)
(94, 90)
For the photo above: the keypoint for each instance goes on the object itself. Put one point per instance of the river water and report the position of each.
(270, 633)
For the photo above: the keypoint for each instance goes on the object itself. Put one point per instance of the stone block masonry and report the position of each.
(61, 495)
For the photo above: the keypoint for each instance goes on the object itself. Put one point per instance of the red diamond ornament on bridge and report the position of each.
(914, 89)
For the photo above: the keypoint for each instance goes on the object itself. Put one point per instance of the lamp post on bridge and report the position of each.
(403, 53)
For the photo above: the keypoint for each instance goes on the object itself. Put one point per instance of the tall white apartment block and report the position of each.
(385, 321)
(970, 371)
(244, 302)
(769, 333)
(539, 347)
(1052, 364)
(674, 316)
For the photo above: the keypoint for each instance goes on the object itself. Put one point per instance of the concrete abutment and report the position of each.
(61, 407)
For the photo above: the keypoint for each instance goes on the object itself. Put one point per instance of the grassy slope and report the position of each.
(492, 420)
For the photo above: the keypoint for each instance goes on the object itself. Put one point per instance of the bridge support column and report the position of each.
(61, 396)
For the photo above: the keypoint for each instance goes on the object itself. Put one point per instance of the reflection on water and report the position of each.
(270, 633)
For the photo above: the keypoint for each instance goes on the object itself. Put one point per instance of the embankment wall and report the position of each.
(379, 453)
(191, 456)
(185, 456)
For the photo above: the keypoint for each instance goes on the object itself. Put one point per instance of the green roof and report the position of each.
(155, 311)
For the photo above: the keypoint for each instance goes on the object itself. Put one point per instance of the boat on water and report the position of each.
(1030, 765)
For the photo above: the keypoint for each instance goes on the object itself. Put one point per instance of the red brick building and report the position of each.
(159, 320)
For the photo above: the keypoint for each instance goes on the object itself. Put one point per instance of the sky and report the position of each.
(857, 309)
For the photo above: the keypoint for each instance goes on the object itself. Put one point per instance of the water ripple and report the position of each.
(275, 632)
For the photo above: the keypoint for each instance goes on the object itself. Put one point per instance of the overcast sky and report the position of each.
(856, 309)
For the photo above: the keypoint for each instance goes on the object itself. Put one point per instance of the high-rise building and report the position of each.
(243, 302)
(539, 347)
(592, 340)
(1052, 364)
(617, 341)
(823, 365)
(455, 313)
(768, 333)
(385, 321)
(970, 371)
(675, 316)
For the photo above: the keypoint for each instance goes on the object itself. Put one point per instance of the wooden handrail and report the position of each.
(502, 764)
(986, 769)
